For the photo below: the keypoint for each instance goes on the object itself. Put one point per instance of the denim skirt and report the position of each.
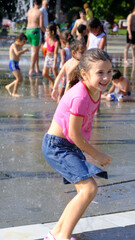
(68, 160)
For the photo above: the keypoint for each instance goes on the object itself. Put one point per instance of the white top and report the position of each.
(94, 40)
(45, 16)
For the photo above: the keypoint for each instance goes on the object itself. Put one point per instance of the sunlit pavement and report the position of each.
(32, 195)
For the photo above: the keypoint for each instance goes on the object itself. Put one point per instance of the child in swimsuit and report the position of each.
(51, 59)
(120, 89)
(77, 48)
(15, 52)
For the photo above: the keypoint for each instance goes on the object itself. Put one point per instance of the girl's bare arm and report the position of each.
(56, 83)
(56, 53)
(102, 43)
(62, 55)
(87, 44)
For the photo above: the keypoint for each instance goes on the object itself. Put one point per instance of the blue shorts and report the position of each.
(67, 159)
(63, 82)
(13, 65)
(116, 96)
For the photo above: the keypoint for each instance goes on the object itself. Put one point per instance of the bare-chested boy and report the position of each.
(33, 33)
(15, 52)
(120, 89)
(81, 20)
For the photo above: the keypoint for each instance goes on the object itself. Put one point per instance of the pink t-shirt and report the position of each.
(76, 101)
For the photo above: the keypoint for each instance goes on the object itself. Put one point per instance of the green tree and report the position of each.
(109, 9)
(7, 8)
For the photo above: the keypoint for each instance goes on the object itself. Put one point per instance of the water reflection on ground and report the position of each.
(23, 170)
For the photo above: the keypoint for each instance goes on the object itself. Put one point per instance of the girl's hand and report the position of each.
(54, 94)
(103, 159)
(54, 67)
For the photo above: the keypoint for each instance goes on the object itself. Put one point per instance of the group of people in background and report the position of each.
(62, 49)
(81, 71)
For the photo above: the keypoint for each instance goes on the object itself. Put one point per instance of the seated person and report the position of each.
(120, 89)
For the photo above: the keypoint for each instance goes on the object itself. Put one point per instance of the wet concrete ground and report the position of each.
(31, 191)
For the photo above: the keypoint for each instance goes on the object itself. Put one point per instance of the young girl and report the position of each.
(77, 48)
(65, 39)
(68, 137)
(15, 52)
(96, 36)
(51, 59)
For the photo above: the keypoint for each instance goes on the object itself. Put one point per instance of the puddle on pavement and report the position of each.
(24, 121)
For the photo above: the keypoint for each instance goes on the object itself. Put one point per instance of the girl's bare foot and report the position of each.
(8, 89)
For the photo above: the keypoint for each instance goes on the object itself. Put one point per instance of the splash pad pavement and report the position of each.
(32, 193)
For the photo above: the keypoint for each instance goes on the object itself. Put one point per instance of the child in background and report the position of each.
(65, 39)
(120, 89)
(77, 48)
(68, 137)
(81, 20)
(51, 59)
(97, 36)
(15, 52)
(82, 33)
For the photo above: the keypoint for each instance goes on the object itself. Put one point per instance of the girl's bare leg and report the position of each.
(45, 73)
(86, 191)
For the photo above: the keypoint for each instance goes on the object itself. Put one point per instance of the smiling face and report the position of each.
(98, 77)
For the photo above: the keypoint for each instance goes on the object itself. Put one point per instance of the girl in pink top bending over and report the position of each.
(51, 59)
(77, 48)
(68, 137)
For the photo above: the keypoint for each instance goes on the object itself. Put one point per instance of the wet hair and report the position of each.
(53, 27)
(37, 2)
(76, 45)
(95, 23)
(66, 36)
(116, 74)
(75, 77)
(92, 55)
(81, 28)
(21, 37)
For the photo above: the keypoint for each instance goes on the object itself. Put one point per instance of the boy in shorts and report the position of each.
(120, 89)
(15, 52)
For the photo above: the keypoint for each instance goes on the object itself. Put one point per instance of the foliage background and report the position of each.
(109, 10)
